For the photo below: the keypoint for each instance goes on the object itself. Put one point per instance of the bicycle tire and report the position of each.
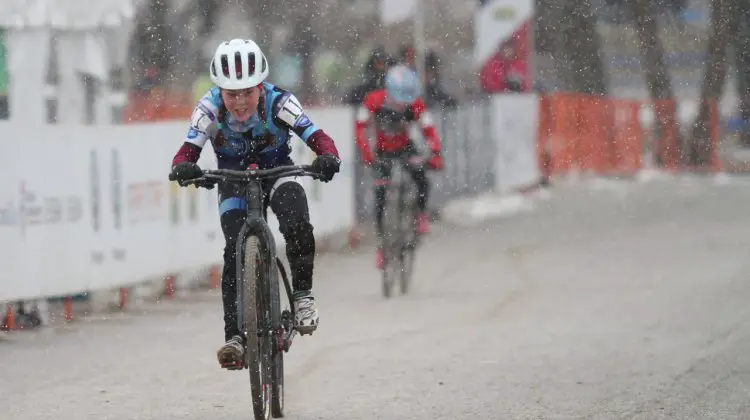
(409, 229)
(277, 357)
(256, 344)
(392, 240)
(408, 255)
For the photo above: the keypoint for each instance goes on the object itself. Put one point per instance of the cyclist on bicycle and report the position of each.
(393, 110)
(248, 122)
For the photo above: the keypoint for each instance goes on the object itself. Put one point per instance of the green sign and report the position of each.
(3, 66)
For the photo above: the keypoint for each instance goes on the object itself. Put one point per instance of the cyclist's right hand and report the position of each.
(184, 171)
(436, 162)
(368, 158)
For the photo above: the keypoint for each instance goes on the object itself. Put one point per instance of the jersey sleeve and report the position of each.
(364, 117)
(366, 109)
(424, 118)
(202, 122)
(202, 127)
(288, 113)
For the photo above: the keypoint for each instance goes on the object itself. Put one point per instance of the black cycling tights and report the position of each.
(423, 191)
(289, 204)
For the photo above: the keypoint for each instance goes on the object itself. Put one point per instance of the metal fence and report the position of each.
(469, 150)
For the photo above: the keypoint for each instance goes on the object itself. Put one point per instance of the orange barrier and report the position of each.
(589, 134)
(627, 137)
(68, 309)
(214, 276)
(667, 147)
(158, 105)
(605, 136)
(170, 286)
(9, 323)
(124, 295)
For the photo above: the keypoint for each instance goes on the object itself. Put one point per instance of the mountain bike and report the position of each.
(400, 237)
(268, 330)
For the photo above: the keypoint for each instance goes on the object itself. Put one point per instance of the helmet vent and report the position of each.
(250, 64)
(238, 65)
(225, 65)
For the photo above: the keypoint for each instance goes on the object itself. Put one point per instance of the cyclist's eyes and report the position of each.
(237, 95)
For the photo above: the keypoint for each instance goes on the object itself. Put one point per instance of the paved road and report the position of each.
(601, 303)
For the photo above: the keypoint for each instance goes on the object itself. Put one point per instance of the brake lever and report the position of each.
(199, 182)
(314, 175)
(208, 184)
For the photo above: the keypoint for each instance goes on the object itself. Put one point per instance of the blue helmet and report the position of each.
(402, 84)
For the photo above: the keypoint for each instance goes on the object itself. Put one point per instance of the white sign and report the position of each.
(87, 208)
(515, 125)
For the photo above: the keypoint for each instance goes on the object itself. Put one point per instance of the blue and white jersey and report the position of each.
(265, 143)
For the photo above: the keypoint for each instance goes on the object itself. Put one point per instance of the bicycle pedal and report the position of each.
(233, 365)
(238, 366)
(227, 361)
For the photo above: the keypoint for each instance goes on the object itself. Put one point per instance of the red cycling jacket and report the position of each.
(391, 126)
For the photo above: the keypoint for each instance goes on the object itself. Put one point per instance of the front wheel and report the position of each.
(407, 268)
(253, 311)
(393, 234)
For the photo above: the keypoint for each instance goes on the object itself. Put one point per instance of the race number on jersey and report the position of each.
(291, 112)
(200, 120)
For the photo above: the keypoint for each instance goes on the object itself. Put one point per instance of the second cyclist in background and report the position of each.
(392, 111)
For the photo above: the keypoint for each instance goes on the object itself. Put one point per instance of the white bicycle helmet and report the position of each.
(238, 64)
(402, 84)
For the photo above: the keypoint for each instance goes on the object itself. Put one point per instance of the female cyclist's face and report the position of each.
(242, 103)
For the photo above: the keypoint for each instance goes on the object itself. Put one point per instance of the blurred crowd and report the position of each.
(377, 65)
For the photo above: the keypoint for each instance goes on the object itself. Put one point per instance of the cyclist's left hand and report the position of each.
(436, 162)
(327, 165)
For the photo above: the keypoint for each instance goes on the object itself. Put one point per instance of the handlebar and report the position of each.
(410, 162)
(212, 176)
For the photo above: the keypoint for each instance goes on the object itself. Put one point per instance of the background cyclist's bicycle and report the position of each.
(400, 239)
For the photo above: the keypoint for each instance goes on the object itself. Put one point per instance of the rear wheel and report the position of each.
(277, 356)
(407, 268)
(409, 232)
(253, 310)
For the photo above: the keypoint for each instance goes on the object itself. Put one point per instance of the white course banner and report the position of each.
(515, 127)
(86, 208)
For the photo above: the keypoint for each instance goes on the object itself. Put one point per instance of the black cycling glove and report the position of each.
(184, 171)
(327, 165)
